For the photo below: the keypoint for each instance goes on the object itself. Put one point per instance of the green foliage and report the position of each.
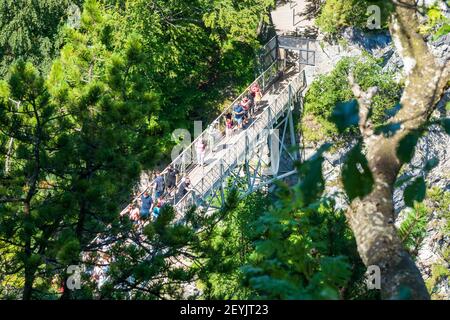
(196, 51)
(27, 122)
(441, 200)
(304, 248)
(327, 91)
(356, 175)
(227, 247)
(436, 24)
(306, 253)
(442, 31)
(338, 14)
(415, 191)
(345, 115)
(439, 272)
(312, 182)
(407, 146)
(29, 31)
(80, 138)
(446, 125)
(413, 228)
(77, 137)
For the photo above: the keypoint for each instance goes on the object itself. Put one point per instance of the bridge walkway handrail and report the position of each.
(184, 162)
(245, 143)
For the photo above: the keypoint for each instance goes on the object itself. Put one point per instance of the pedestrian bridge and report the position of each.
(252, 157)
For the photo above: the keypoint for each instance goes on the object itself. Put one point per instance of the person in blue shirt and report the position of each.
(157, 209)
(146, 205)
(239, 114)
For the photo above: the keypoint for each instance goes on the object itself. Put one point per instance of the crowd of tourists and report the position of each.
(162, 191)
(163, 187)
(243, 111)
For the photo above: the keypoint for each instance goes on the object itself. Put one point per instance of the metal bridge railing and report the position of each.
(186, 160)
(244, 145)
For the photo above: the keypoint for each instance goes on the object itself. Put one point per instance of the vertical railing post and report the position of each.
(276, 48)
(292, 133)
(290, 96)
(222, 191)
(269, 115)
(247, 159)
(263, 82)
(183, 163)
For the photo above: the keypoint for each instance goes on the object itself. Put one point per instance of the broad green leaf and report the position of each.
(402, 180)
(446, 125)
(393, 111)
(442, 31)
(345, 115)
(356, 176)
(388, 130)
(312, 182)
(431, 164)
(407, 146)
(416, 191)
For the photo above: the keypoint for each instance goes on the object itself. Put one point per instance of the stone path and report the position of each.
(285, 17)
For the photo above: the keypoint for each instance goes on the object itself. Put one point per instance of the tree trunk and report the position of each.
(372, 218)
(29, 269)
(8, 156)
(30, 266)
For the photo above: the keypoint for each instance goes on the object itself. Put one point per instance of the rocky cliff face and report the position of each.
(433, 251)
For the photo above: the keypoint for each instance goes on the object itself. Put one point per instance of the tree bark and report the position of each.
(372, 218)
(8, 156)
(28, 269)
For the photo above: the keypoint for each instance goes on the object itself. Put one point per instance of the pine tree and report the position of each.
(28, 121)
(109, 139)
(29, 30)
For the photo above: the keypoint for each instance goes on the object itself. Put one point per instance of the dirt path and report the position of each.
(286, 16)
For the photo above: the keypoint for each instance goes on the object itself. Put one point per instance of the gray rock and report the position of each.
(371, 42)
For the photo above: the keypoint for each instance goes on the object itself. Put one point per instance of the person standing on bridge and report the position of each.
(229, 125)
(158, 185)
(160, 202)
(184, 188)
(146, 205)
(201, 152)
(245, 103)
(255, 92)
(239, 114)
(213, 134)
(172, 177)
(134, 215)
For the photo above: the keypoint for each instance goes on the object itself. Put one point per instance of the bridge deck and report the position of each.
(241, 145)
(278, 83)
(224, 144)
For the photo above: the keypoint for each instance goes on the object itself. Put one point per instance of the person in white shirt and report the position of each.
(201, 151)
